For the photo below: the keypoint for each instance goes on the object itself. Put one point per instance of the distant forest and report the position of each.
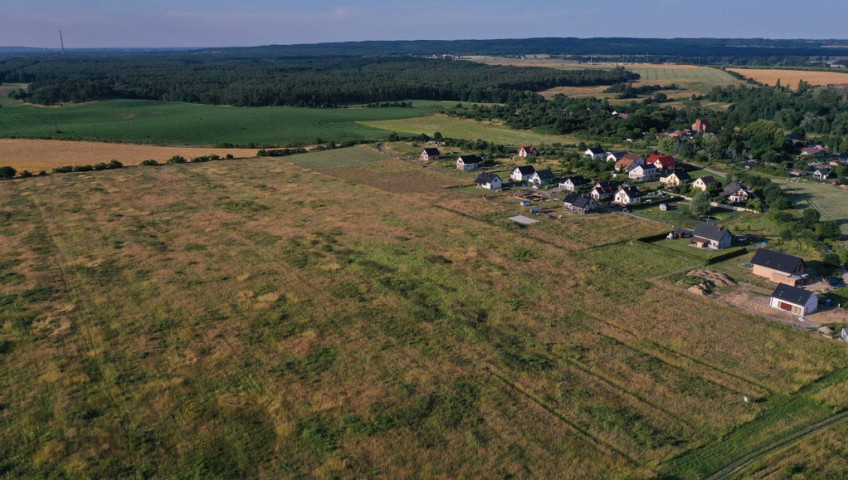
(211, 78)
(714, 51)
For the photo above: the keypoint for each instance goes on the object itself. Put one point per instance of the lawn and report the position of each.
(260, 319)
(468, 130)
(170, 123)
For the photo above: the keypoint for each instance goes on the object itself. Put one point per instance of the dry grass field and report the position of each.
(266, 320)
(790, 78)
(38, 155)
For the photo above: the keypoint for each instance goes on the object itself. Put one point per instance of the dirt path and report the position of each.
(730, 470)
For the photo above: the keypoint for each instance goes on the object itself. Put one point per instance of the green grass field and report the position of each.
(830, 201)
(167, 123)
(468, 130)
(259, 319)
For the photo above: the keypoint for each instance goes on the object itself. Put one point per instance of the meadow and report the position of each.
(831, 201)
(171, 123)
(468, 130)
(356, 319)
(790, 78)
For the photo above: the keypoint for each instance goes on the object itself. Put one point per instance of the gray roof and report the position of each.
(577, 180)
(681, 175)
(470, 159)
(795, 295)
(776, 260)
(596, 150)
(526, 169)
(570, 198)
(432, 151)
(710, 232)
(632, 192)
(486, 177)
(734, 187)
(546, 174)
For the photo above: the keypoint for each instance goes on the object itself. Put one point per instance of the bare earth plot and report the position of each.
(259, 319)
(790, 78)
(37, 155)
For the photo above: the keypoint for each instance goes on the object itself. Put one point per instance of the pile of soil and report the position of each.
(716, 278)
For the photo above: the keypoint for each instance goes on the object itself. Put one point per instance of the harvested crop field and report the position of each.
(790, 78)
(37, 155)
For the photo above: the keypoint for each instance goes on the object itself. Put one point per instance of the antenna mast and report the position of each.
(62, 41)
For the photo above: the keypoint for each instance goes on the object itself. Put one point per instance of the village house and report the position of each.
(468, 162)
(627, 196)
(542, 178)
(582, 204)
(711, 237)
(489, 181)
(627, 162)
(704, 183)
(779, 267)
(675, 178)
(643, 173)
(812, 151)
(571, 184)
(736, 192)
(662, 162)
(527, 151)
(701, 126)
(522, 173)
(615, 156)
(430, 154)
(822, 173)
(793, 299)
(595, 153)
(603, 189)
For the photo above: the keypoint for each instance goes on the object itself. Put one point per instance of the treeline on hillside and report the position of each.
(302, 83)
(717, 50)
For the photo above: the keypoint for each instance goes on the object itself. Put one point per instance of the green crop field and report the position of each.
(258, 319)
(468, 130)
(168, 123)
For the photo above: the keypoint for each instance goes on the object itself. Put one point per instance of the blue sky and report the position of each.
(205, 23)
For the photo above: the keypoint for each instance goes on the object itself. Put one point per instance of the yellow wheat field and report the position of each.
(37, 155)
(790, 78)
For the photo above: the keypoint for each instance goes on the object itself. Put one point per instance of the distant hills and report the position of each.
(618, 46)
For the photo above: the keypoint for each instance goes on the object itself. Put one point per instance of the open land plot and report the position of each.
(38, 155)
(689, 78)
(830, 200)
(171, 123)
(259, 319)
(468, 130)
(790, 78)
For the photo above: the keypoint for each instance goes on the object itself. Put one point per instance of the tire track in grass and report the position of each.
(735, 467)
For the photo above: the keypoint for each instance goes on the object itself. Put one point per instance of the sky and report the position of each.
(218, 23)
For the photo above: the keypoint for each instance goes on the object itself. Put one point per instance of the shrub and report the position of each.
(83, 168)
(100, 166)
(113, 164)
(177, 159)
(26, 174)
(7, 172)
(63, 169)
(150, 163)
(230, 156)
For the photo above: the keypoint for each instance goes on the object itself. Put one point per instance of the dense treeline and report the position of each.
(303, 83)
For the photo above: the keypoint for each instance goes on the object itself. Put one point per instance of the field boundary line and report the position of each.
(556, 413)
